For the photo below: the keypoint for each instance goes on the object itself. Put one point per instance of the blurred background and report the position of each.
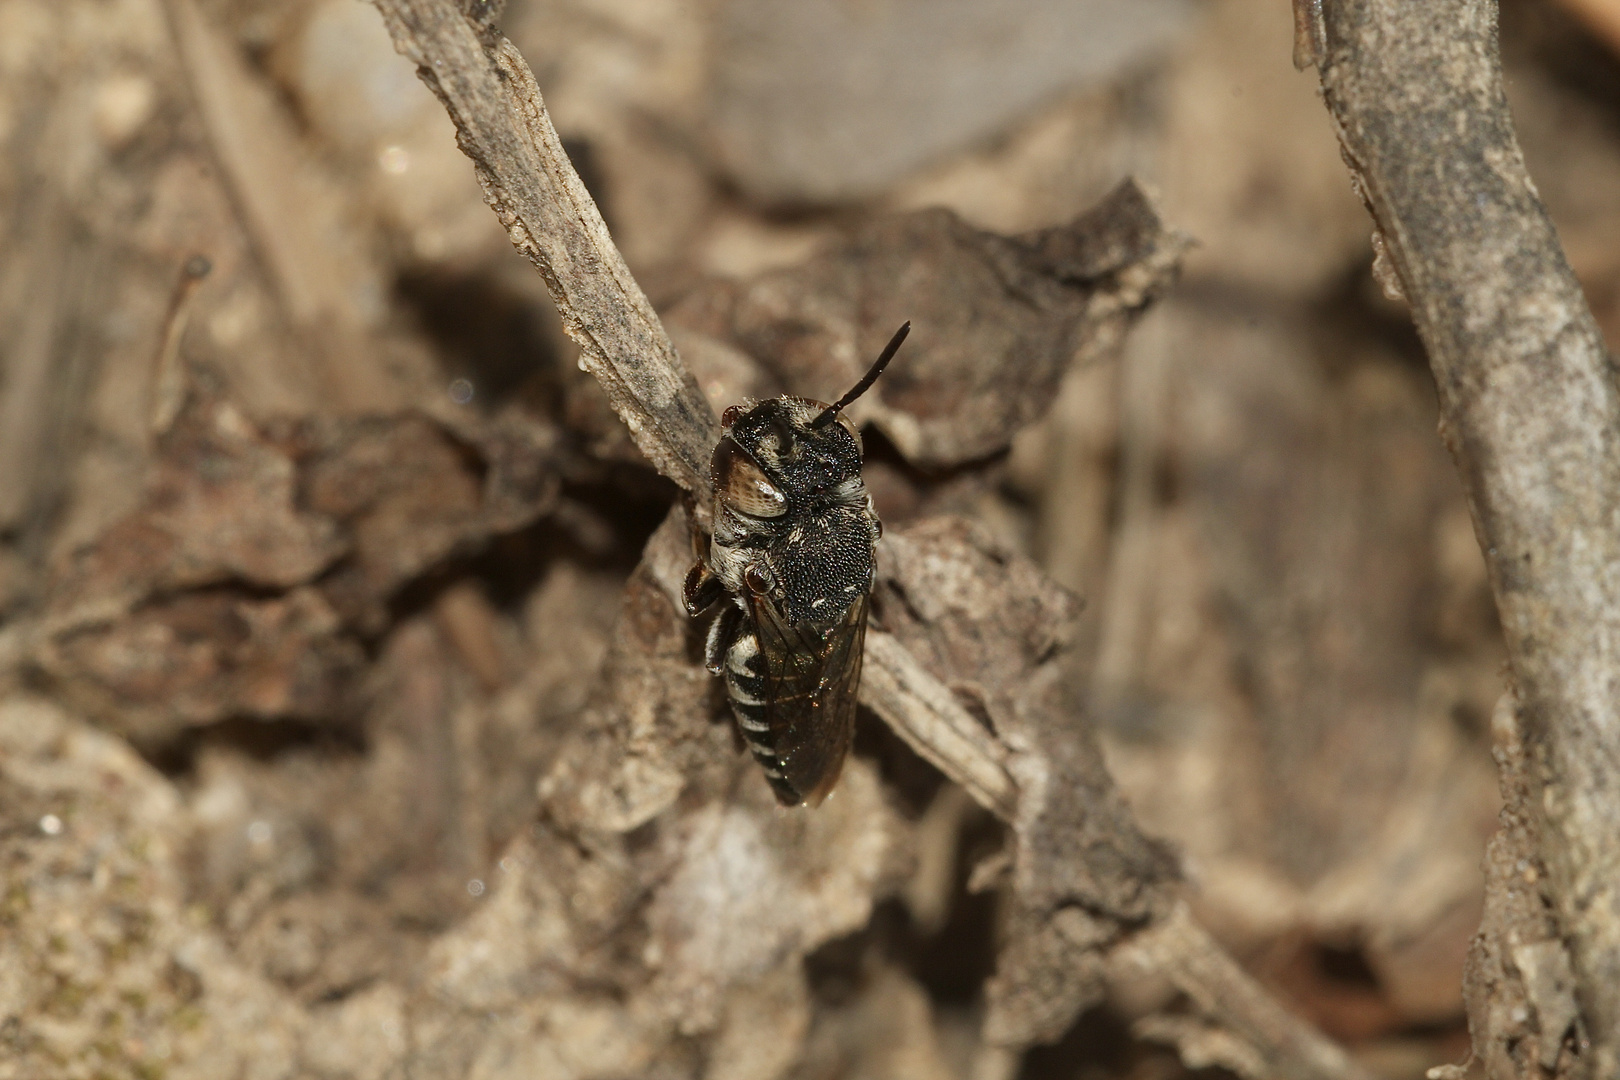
(256, 763)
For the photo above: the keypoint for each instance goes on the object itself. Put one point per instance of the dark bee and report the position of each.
(792, 546)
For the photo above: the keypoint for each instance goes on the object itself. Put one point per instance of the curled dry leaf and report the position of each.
(997, 320)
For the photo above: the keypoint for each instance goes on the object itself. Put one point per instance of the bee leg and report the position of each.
(722, 633)
(701, 590)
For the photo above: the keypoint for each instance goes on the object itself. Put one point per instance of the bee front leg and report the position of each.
(701, 590)
(722, 632)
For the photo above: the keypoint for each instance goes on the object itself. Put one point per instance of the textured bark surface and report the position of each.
(1530, 408)
(1518, 982)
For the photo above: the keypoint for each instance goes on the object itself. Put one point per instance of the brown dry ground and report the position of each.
(305, 610)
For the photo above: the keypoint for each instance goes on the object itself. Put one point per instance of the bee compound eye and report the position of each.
(743, 486)
(757, 580)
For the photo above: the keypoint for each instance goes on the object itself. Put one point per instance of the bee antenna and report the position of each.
(831, 412)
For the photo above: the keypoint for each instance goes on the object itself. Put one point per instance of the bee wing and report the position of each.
(812, 675)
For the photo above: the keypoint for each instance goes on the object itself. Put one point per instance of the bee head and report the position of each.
(787, 450)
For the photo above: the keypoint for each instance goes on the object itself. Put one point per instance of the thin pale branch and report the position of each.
(502, 125)
(1530, 409)
(1271, 1040)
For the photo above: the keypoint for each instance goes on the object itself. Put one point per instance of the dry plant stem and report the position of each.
(502, 125)
(1181, 951)
(1530, 410)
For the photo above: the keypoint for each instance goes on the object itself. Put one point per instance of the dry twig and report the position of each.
(527, 179)
(1530, 409)
(1183, 952)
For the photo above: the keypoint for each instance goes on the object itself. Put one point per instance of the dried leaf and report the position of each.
(997, 321)
(163, 621)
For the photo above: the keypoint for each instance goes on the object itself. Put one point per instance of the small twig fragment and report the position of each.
(168, 376)
(1274, 1042)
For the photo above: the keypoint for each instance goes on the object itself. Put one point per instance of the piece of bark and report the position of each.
(1517, 983)
(1530, 408)
(996, 320)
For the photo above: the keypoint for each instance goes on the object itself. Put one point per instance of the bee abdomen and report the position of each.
(745, 686)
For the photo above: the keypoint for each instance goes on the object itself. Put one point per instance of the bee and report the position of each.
(794, 535)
